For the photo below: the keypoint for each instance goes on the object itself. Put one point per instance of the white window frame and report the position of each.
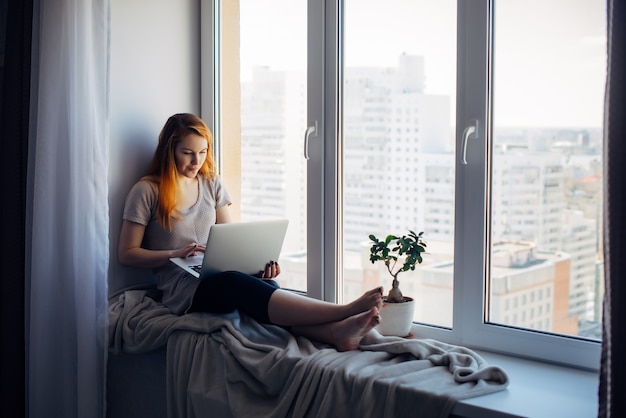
(470, 327)
(323, 169)
(210, 65)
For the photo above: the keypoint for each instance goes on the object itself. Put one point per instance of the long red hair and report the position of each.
(163, 166)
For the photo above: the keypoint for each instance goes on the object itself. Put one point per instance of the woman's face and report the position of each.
(190, 153)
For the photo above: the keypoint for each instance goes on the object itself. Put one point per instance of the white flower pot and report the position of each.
(396, 318)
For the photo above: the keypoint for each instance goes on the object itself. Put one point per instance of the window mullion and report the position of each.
(322, 177)
(471, 241)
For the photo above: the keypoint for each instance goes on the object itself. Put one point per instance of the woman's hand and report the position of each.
(189, 250)
(131, 253)
(272, 270)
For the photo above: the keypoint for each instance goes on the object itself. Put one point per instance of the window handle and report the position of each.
(470, 131)
(311, 130)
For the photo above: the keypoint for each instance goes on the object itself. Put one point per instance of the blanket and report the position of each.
(232, 366)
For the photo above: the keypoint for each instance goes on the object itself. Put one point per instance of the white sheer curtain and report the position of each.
(68, 167)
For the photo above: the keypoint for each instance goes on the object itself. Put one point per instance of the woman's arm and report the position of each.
(130, 252)
(222, 215)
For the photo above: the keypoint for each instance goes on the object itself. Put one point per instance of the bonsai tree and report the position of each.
(399, 254)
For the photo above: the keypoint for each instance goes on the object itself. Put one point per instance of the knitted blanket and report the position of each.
(232, 366)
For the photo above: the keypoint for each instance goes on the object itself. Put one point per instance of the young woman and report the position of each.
(168, 214)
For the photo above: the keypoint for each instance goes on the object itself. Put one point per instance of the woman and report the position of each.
(168, 214)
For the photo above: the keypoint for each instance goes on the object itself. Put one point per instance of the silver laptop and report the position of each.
(246, 247)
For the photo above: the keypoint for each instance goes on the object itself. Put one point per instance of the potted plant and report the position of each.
(400, 254)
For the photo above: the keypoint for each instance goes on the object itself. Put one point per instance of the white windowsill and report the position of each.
(535, 390)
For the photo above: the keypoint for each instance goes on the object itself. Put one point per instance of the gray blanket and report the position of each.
(232, 366)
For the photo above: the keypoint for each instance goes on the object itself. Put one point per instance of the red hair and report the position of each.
(163, 166)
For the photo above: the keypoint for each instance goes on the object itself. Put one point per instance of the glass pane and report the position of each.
(546, 204)
(399, 93)
(273, 121)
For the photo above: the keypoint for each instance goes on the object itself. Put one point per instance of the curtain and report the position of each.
(612, 402)
(15, 48)
(66, 288)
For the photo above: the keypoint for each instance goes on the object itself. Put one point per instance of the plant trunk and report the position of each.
(395, 295)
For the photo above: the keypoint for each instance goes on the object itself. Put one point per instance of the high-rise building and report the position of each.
(579, 241)
(399, 153)
(527, 197)
(529, 288)
(273, 118)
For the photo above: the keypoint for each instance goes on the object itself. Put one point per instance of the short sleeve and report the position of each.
(219, 192)
(141, 202)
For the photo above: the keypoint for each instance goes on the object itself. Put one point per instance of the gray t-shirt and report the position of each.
(178, 286)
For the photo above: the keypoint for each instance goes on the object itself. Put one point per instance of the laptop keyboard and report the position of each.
(197, 268)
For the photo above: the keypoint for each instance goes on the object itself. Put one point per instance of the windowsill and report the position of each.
(535, 390)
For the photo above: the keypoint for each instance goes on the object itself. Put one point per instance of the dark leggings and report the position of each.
(224, 292)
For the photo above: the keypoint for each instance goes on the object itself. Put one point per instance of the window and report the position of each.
(409, 62)
(514, 261)
(543, 64)
(273, 116)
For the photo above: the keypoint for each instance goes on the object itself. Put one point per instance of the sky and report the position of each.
(549, 54)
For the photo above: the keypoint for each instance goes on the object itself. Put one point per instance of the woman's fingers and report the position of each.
(272, 269)
(193, 249)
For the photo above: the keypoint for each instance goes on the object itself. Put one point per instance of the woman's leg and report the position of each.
(230, 290)
(341, 325)
(346, 334)
(291, 309)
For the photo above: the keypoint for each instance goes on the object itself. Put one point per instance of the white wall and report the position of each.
(155, 72)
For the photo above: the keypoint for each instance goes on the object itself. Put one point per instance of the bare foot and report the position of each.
(347, 334)
(370, 299)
